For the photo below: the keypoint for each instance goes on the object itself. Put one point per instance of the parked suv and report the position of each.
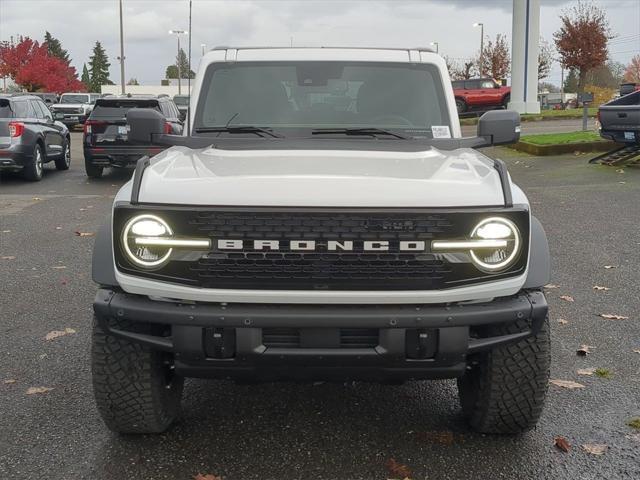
(480, 94)
(76, 107)
(105, 139)
(324, 219)
(182, 102)
(31, 137)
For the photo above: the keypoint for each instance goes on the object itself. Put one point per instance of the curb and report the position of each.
(474, 120)
(562, 148)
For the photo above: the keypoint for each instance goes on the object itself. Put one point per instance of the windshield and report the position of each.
(74, 99)
(182, 101)
(293, 97)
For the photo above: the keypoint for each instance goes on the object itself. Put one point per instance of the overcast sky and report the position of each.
(149, 48)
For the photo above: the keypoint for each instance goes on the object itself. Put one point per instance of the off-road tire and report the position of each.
(133, 386)
(64, 162)
(32, 170)
(504, 389)
(461, 105)
(93, 171)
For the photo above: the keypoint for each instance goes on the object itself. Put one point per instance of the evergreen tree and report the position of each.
(183, 61)
(86, 79)
(571, 82)
(133, 81)
(98, 68)
(54, 47)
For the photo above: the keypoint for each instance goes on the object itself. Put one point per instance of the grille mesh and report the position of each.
(320, 268)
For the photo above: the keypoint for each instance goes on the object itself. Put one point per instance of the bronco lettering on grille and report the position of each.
(313, 245)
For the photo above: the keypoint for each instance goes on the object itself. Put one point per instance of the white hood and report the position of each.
(321, 178)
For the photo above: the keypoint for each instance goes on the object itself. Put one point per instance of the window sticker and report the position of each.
(440, 131)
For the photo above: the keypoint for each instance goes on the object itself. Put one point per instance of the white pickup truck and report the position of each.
(322, 218)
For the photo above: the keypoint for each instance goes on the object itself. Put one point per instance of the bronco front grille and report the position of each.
(320, 338)
(321, 268)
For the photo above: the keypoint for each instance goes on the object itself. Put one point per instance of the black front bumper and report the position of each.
(228, 341)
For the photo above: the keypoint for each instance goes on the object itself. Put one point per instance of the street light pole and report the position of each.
(121, 52)
(481, 25)
(437, 46)
(177, 33)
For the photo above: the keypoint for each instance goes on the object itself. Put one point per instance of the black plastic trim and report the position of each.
(500, 166)
(142, 164)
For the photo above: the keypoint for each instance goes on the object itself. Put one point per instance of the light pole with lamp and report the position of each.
(481, 25)
(437, 45)
(177, 33)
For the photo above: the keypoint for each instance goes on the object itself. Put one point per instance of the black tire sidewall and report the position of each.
(30, 169)
(461, 106)
(92, 170)
(61, 163)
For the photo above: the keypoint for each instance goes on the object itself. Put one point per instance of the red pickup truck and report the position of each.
(480, 94)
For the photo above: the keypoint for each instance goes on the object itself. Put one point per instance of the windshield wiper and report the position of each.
(239, 129)
(368, 131)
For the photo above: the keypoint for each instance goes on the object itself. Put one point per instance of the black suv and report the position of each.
(105, 132)
(31, 137)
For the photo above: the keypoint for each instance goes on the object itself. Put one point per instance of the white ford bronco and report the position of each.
(322, 218)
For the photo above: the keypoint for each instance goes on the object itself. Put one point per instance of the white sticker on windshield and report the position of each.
(440, 131)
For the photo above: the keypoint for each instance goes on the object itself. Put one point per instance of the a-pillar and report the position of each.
(524, 56)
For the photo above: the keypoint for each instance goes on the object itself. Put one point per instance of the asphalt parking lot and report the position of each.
(320, 431)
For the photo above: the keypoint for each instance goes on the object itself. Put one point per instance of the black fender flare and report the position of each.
(102, 263)
(539, 258)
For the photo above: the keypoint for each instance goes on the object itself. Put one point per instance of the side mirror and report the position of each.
(500, 127)
(58, 116)
(144, 123)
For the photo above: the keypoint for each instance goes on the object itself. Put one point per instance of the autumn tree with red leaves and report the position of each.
(582, 39)
(496, 58)
(30, 65)
(632, 73)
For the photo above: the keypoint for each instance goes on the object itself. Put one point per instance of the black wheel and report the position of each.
(33, 170)
(461, 106)
(506, 100)
(64, 162)
(92, 170)
(504, 390)
(134, 387)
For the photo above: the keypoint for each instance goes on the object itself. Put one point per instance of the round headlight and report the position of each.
(496, 258)
(146, 226)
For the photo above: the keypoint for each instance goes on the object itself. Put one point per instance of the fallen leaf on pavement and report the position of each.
(584, 350)
(634, 423)
(620, 170)
(598, 287)
(9, 381)
(562, 321)
(6, 231)
(84, 234)
(59, 333)
(595, 448)
(611, 316)
(567, 298)
(397, 470)
(586, 371)
(551, 285)
(634, 436)
(206, 476)
(608, 267)
(562, 444)
(36, 198)
(58, 228)
(59, 267)
(636, 350)
(34, 390)
(442, 437)
(566, 384)
(8, 257)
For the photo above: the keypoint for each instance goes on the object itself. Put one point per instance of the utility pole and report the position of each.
(121, 57)
(177, 33)
(437, 45)
(481, 25)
